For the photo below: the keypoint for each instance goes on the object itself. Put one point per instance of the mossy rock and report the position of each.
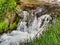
(13, 26)
(3, 26)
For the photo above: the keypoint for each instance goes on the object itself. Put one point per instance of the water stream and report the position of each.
(24, 33)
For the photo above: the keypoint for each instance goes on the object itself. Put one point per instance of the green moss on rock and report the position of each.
(12, 26)
(3, 26)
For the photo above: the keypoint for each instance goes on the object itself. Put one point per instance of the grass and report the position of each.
(50, 37)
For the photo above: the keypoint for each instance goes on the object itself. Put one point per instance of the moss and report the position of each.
(3, 26)
(12, 26)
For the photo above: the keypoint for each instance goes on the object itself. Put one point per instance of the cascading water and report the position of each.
(24, 33)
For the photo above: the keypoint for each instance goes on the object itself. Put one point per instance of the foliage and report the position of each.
(11, 4)
(6, 5)
(1, 9)
(50, 37)
(3, 26)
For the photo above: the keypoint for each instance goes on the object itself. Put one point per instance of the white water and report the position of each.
(17, 36)
(24, 33)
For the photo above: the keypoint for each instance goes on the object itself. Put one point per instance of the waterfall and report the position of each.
(24, 33)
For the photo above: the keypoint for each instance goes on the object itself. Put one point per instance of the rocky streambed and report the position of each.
(35, 20)
(32, 25)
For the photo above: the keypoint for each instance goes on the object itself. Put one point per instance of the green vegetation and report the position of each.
(13, 26)
(3, 26)
(6, 5)
(50, 37)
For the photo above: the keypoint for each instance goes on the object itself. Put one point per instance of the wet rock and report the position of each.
(19, 12)
(40, 11)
